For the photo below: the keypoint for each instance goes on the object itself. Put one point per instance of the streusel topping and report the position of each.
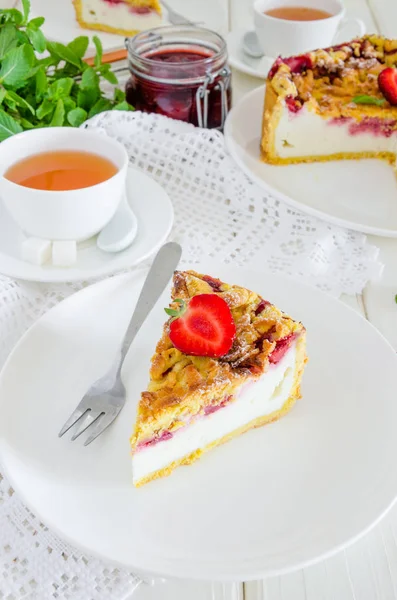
(328, 80)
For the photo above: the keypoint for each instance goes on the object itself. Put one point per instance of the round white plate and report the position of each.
(359, 194)
(61, 24)
(257, 67)
(154, 213)
(274, 499)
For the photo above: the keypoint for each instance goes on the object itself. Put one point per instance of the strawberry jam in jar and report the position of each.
(180, 72)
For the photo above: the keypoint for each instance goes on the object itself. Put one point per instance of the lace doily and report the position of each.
(219, 213)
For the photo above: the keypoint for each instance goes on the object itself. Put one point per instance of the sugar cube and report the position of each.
(64, 253)
(36, 250)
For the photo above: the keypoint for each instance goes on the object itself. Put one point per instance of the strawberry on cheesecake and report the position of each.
(336, 103)
(124, 17)
(227, 361)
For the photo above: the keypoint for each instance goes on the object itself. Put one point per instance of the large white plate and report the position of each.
(359, 194)
(154, 213)
(61, 24)
(270, 501)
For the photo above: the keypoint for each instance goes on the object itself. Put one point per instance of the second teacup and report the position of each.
(287, 37)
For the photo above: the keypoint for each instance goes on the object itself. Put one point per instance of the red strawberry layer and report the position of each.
(374, 125)
(282, 346)
(167, 435)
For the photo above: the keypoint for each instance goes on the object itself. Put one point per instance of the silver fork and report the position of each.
(106, 397)
(174, 17)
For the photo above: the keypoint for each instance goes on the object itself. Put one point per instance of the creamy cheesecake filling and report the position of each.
(305, 133)
(119, 15)
(257, 398)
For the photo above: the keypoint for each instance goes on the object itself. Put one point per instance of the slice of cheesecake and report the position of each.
(227, 361)
(330, 104)
(124, 17)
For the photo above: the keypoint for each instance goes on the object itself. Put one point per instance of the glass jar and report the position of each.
(180, 72)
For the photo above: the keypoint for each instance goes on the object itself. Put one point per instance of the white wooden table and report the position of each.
(367, 570)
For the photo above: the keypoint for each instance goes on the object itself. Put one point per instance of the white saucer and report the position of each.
(357, 194)
(257, 67)
(153, 210)
(275, 499)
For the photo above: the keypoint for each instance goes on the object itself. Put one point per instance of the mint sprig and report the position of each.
(58, 90)
(176, 313)
(363, 99)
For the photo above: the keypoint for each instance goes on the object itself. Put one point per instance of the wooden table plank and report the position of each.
(385, 15)
(189, 590)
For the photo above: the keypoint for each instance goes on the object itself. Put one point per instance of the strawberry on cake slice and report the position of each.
(227, 361)
(330, 104)
(124, 17)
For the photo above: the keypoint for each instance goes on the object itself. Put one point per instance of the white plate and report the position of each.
(154, 213)
(272, 500)
(61, 24)
(257, 67)
(359, 194)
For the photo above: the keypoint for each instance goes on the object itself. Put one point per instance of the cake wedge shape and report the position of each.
(194, 403)
(332, 104)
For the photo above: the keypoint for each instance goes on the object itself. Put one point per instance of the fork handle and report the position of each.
(160, 273)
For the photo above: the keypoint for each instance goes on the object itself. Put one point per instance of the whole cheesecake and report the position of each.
(331, 104)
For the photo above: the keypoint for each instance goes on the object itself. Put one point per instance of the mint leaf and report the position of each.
(12, 15)
(8, 126)
(76, 117)
(59, 115)
(46, 62)
(363, 99)
(3, 93)
(119, 95)
(89, 79)
(26, 10)
(46, 108)
(122, 106)
(69, 103)
(109, 75)
(22, 38)
(16, 65)
(19, 101)
(26, 124)
(87, 98)
(8, 39)
(99, 51)
(37, 39)
(79, 46)
(61, 87)
(36, 22)
(100, 106)
(41, 82)
(63, 53)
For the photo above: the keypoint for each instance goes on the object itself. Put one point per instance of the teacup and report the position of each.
(68, 214)
(282, 37)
